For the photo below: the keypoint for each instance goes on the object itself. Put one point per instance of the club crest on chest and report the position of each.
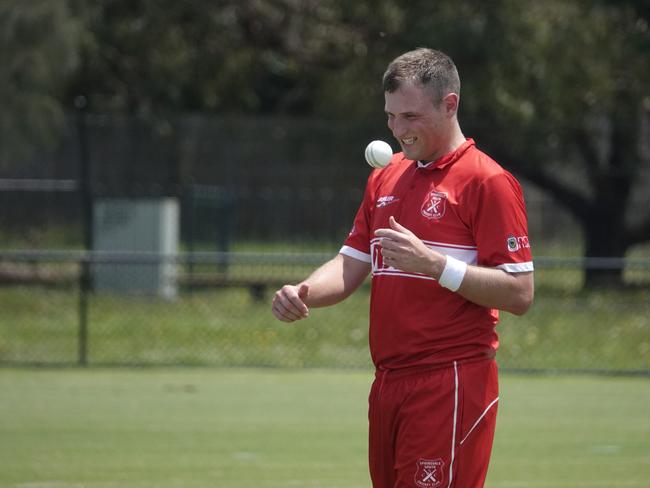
(434, 205)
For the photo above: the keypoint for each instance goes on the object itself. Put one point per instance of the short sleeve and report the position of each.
(500, 225)
(357, 244)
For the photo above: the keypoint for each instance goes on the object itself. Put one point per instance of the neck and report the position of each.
(454, 141)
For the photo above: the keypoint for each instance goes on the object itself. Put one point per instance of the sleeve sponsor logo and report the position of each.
(515, 243)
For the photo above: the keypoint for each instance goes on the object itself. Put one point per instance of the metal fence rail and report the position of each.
(99, 308)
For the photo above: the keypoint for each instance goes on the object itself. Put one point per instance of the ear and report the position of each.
(451, 101)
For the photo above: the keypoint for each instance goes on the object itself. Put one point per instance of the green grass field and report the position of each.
(607, 330)
(231, 428)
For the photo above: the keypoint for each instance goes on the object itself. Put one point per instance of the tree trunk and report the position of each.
(606, 235)
(604, 238)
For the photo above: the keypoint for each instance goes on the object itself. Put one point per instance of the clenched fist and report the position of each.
(289, 303)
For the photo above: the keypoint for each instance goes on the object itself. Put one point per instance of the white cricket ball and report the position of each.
(378, 154)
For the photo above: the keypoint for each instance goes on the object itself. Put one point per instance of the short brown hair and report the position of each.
(425, 67)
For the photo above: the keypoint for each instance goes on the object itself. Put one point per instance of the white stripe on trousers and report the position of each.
(479, 419)
(453, 436)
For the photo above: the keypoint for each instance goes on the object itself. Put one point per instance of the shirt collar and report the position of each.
(448, 158)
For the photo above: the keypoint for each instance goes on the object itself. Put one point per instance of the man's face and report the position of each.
(419, 124)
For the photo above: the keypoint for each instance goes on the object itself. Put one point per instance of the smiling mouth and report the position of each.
(409, 141)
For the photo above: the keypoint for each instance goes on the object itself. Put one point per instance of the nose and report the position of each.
(397, 127)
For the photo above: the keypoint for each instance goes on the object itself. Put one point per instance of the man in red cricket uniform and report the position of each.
(443, 230)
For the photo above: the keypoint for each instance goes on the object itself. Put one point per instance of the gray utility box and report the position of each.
(145, 225)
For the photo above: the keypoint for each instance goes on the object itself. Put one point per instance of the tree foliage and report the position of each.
(569, 110)
(38, 51)
(145, 56)
(558, 91)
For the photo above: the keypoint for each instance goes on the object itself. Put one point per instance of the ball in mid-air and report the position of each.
(378, 154)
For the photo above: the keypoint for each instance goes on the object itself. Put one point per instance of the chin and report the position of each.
(410, 153)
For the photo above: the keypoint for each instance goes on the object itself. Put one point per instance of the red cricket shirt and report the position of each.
(464, 205)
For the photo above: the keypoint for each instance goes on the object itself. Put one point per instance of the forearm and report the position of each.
(490, 287)
(495, 288)
(335, 280)
(329, 284)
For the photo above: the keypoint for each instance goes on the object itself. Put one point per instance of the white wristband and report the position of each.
(453, 274)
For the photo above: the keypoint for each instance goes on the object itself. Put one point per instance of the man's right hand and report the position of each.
(289, 303)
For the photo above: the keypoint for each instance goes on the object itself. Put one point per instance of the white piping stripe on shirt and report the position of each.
(453, 436)
(451, 246)
(355, 253)
(479, 419)
(446, 245)
(467, 255)
(516, 267)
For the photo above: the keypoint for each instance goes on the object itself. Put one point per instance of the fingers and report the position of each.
(389, 233)
(391, 252)
(284, 314)
(390, 262)
(400, 248)
(288, 304)
(396, 232)
(392, 248)
(397, 226)
(392, 245)
(303, 291)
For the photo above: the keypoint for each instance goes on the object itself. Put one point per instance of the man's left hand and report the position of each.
(402, 249)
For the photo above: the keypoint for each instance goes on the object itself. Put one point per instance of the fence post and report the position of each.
(84, 285)
(191, 222)
(85, 189)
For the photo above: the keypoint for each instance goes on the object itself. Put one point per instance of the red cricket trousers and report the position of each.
(433, 428)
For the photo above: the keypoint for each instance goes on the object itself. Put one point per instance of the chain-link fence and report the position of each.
(66, 308)
(257, 202)
(229, 175)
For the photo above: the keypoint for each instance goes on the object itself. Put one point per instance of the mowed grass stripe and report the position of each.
(231, 428)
